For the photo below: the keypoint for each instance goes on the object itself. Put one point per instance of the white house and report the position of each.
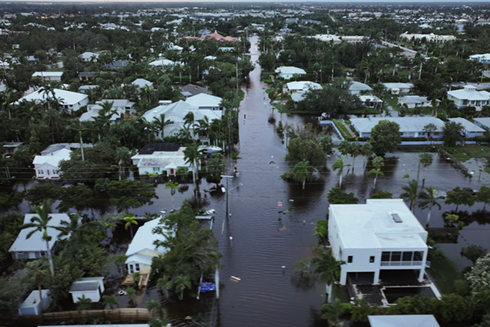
(33, 304)
(370, 101)
(429, 37)
(483, 58)
(162, 63)
(403, 321)
(398, 88)
(288, 72)
(483, 123)
(409, 126)
(469, 96)
(160, 162)
(302, 86)
(176, 112)
(34, 247)
(376, 236)
(142, 250)
(142, 83)
(71, 101)
(358, 87)
(88, 56)
(90, 287)
(469, 129)
(120, 106)
(47, 167)
(205, 101)
(414, 101)
(48, 76)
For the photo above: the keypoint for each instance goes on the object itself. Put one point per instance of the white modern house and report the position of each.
(163, 63)
(71, 101)
(205, 101)
(47, 166)
(377, 236)
(409, 126)
(159, 162)
(414, 101)
(48, 76)
(88, 56)
(398, 88)
(469, 96)
(288, 72)
(142, 250)
(34, 303)
(469, 129)
(90, 287)
(176, 113)
(34, 247)
(403, 321)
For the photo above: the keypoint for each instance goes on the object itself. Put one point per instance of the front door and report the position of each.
(172, 171)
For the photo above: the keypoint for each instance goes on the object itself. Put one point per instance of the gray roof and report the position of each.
(390, 86)
(86, 284)
(467, 125)
(412, 99)
(407, 124)
(485, 121)
(194, 89)
(356, 87)
(403, 321)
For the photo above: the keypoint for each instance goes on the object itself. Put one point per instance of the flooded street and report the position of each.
(256, 241)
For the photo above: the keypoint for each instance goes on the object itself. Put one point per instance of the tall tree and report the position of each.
(40, 223)
(452, 133)
(385, 137)
(339, 166)
(377, 164)
(130, 220)
(327, 267)
(302, 172)
(411, 193)
(459, 196)
(181, 283)
(125, 194)
(429, 199)
(160, 123)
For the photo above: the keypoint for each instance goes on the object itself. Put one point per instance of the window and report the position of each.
(349, 259)
(156, 169)
(47, 172)
(137, 266)
(40, 172)
(371, 259)
(55, 172)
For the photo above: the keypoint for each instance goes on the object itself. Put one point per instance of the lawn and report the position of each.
(443, 271)
(392, 100)
(464, 153)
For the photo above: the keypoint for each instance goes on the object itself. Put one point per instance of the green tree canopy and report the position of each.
(125, 194)
(452, 133)
(337, 196)
(385, 137)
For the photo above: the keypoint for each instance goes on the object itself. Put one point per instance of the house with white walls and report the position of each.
(160, 162)
(47, 166)
(70, 101)
(381, 235)
(414, 101)
(288, 72)
(469, 97)
(469, 129)
(409, 126)
(34, 304)
(90, 287)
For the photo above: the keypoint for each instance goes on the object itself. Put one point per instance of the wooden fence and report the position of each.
(116, 315)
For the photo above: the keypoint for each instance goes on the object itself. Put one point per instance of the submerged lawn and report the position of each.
(443, 271)
(464, 153)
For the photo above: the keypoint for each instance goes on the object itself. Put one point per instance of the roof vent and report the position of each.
(396, 218)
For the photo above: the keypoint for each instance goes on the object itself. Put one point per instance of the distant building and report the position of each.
(414, 101)
(88, 287)
(409, 126)
(288, 72)
(483, 58)
(428, 37)
(48, 76)
(33, 305)
(403, 321)
(469, 96)
(71, 101)
(398, 88)
(469, 129)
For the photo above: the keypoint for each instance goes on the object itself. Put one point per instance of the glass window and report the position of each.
(418, 255)
(407, 256)
(396, 256)
(137, 266)
(371, 259)
(349, 259)
(156, 169)
(385, 256)
(40, 172)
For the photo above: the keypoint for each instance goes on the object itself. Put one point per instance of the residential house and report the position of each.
(33, 305)
(34, 247)
(414, 101)
(47, 166)
(205, 101)
(71, 101)
(298, 89)
(11, 147)
(117, 64)
(469, 129)
(176, 113)
(84, 88)
(90, 287)
(428, 37)
(48, 76)
(141, 83)
(403, 321)
(358, 88)
(483, 123)
(86, 76)
(469, 96)
(156, 161)
(210, 58)
(191, 89)
(89, 56)
(409, 126)
(370, 101)
(142, 249)
(398, 88)
(162, 63)
(220, 38)
(483, 58)
(288, 72)
(381, 235)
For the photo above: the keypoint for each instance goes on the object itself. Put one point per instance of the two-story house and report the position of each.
(381, 235)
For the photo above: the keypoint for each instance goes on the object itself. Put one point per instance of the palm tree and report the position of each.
(173, 186)
(333, 312)
(53, 119)
(160, 124)
(411, 193)
(202, 127)
(339, 164)
(302, 172)
(83, 303)
(377, 164)
(79, 127)
(327, 267)
(110, 300)
(189, 119)
(130, 220)
(40, 223)
(79, 231)
(429, 200)
(193, 157)
(154, 307)
(36, 273)
(164, 284)
(181, 283)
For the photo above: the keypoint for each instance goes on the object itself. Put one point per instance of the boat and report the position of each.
(206, 287)
(236, 278)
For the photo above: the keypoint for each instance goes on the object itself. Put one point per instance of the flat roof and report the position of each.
(407, 124)
(372, 225)
(403, 321)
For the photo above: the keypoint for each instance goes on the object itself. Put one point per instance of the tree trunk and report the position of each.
(41, 296)
(428, 217)
(50, 259)
(304, 182)
(375, 178)
(340, 181)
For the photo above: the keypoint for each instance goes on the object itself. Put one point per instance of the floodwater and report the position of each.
(257, 241)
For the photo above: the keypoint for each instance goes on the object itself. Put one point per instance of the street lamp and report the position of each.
(227, 191)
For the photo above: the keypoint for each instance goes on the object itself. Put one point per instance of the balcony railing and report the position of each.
(401, 263)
